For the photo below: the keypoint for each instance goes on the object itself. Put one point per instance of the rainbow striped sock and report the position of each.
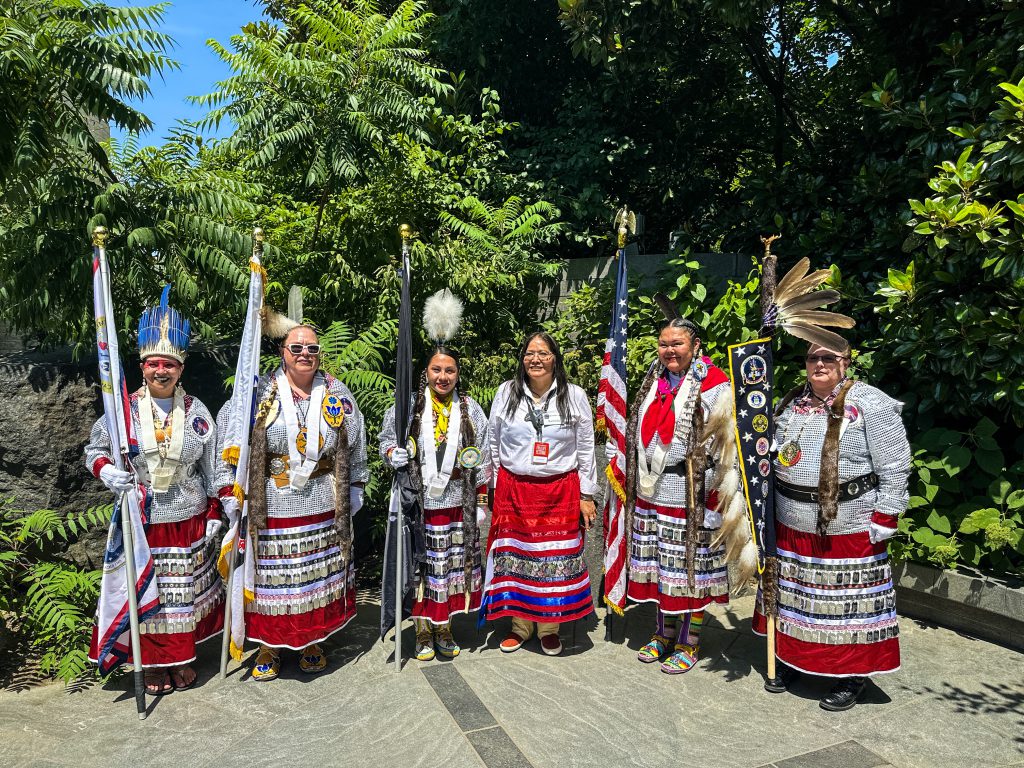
(695, 621)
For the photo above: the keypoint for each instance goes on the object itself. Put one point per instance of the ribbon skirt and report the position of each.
(657, 562)
(304, 592)
(443, 591)
(837, 605)
(535, 565)
(191, 594)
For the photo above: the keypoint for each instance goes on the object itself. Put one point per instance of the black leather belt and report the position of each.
(849, 490)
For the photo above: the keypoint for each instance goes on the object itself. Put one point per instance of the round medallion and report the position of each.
(700, 369)
(851, 413)
(300, 441)
(764, 467)
(761, 446)
(334, 411)
(756, 400)
(760, 422)
(470, 457)
(277, 466)
(789, 453)
(753, 370)
(411, 447)
(200, 426)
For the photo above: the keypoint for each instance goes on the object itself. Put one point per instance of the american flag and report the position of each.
(611, 417)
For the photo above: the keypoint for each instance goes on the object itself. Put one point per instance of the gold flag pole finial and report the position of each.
(257, 241)
(768, 243)
(99, 237)
(406, 232)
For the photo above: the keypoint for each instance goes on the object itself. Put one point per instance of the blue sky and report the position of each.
(191, 23)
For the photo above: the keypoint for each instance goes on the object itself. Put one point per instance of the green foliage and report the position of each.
(53, 600)
(966, 504)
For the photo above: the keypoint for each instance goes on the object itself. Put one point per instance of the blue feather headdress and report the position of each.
(162, 331)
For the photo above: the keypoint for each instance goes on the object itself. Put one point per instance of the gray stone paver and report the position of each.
(956, 702)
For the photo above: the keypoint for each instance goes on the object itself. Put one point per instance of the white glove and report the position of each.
(355, 499)
(481, 515)
(610, 450)
(230, 506)
(712, 519)
(399, 458)
(117, 480)
(213, 528)
(878, 533)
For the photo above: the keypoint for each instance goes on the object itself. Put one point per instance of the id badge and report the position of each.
(540, 452)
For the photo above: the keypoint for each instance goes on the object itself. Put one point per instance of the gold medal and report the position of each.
(333, 410)
(789, 454)
(760, 423)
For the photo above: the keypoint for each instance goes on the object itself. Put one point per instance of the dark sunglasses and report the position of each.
(296, 349)
(826, 359)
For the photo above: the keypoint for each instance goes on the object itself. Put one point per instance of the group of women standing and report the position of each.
(531, 466)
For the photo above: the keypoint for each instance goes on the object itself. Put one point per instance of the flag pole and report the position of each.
(769, 577)
(406, 233)
(118, 454)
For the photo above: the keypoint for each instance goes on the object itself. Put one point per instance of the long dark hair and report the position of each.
(521, 379)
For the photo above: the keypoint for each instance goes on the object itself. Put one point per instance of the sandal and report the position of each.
(268, 665)
(654, 650)
(313, 659)
(682, 659)
(178, 677)
(158, 682)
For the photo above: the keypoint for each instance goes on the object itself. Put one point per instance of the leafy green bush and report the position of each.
(46, 600)
(966, 505)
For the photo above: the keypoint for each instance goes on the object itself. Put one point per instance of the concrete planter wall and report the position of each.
(982, 606)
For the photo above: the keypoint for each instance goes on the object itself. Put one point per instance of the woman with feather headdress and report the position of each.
(306, 472)
(174, 477)
(448, 431)
(840, 485)
(684, 511)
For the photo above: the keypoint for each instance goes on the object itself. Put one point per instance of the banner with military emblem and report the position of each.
(752, 375)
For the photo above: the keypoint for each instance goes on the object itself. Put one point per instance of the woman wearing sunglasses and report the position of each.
(841, 483)
(174, 477)
(449, 433)
(307, 468)
(544, 477)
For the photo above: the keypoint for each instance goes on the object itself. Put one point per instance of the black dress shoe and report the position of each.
(844, 695)
(784, 677)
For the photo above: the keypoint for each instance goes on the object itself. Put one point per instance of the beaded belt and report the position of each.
(849, 490)
(277, 467)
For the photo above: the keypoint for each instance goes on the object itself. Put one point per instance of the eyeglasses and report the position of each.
(538, 356)
(826, 359)
(297, 349)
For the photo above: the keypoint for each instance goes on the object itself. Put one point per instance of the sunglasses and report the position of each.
(297, 349)
(826, 359)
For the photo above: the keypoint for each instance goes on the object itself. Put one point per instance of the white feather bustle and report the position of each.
(275, 325)
(746, 565)
(442, 316)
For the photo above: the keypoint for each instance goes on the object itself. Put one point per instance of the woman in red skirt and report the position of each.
(542, 463)
(174, 476)
(450, 430)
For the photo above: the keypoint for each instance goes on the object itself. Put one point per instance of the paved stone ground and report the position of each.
(956, 702)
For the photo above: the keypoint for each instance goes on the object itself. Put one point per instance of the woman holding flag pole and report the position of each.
(173, 478)
(449, 431)
(305, 471)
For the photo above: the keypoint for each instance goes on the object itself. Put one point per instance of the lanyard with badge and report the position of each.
(537, 416)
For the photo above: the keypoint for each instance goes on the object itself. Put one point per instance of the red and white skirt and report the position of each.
(304, 592)
(657, 562)
(191, 594)
(837, 605)
(443, 589)
(535, 565)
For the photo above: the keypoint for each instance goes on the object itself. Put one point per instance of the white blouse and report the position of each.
(571, 445)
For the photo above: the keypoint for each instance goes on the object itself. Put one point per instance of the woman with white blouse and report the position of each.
(541, 436)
